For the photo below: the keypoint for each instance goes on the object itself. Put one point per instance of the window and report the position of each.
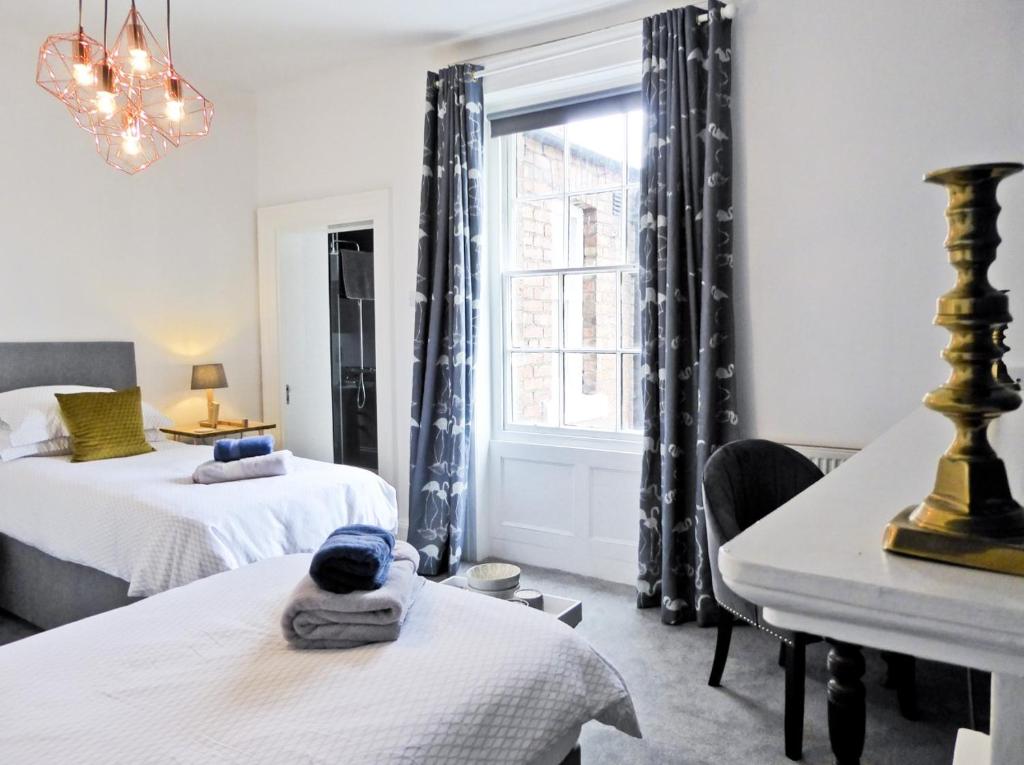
(570, 287)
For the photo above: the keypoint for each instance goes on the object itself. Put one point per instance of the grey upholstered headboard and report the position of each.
(102, 365)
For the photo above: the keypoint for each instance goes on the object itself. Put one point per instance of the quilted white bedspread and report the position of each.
(142, 519)
(201, 674)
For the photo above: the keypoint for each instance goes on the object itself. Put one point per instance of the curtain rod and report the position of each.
(728, 12)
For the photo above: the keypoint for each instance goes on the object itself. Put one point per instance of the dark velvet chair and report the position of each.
(743, 482)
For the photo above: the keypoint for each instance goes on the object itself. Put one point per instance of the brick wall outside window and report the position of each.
(547, 235)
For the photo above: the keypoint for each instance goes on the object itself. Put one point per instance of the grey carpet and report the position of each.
(685, 721)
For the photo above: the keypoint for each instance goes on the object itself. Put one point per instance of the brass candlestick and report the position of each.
(970, 518)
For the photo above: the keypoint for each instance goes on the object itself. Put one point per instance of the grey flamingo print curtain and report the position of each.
(688, 342)
(441, 497)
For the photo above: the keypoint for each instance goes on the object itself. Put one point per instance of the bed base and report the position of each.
(49, 592)
(574, 757)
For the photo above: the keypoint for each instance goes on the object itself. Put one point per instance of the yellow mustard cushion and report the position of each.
(104, 425)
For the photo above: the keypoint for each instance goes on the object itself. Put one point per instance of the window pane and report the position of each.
(540, 239)
(534, 389)
(589, 312)
(590, 390)
(533, 311)
(632, 406)
(540, 161)
(634, 148)
(596, 152)
(632, 225)
(595, 229)
(630, 302)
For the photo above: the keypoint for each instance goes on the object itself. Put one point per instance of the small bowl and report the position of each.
(532, 598)
(508, 594)
(491, 577)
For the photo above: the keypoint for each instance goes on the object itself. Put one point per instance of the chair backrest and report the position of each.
(746, 480)
(743, 482)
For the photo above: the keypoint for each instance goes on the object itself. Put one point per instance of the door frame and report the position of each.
(370, 209)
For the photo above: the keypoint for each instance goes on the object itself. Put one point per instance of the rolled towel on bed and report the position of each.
(231, 449)
(267, 466)
(355, 557)
(315, 618)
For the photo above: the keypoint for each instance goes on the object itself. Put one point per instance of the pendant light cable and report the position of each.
(170, 50)
(80, 28)
(105, 4)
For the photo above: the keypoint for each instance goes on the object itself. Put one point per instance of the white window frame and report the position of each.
(502, 156)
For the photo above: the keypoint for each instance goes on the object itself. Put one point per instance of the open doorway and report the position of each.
(353, 347)
(311, 359)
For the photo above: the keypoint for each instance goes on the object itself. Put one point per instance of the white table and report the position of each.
(817, 566)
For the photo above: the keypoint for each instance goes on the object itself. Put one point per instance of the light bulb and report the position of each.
(130, 139)
(83, 74)
(81, 69)
(130, 144)
(175, 110)
(140, 59)
(106, 102)
(137, 50)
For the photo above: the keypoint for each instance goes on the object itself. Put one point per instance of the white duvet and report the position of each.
(143, 520)
(202, 674)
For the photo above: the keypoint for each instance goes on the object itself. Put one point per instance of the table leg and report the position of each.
(1007, 719)
(845, 702)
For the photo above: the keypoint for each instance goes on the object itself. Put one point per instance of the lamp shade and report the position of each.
(207, 376)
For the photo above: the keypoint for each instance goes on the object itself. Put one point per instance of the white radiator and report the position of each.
(827, 458)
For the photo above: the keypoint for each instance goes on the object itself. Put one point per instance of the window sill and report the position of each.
(619, 443)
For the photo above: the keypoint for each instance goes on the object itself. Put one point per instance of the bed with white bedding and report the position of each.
(202, 674)
(143, 520)
(78, 539)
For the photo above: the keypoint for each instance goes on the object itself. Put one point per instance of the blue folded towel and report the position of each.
(356, 557)
(231, 449)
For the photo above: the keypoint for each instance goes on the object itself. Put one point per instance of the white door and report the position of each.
(307, 410)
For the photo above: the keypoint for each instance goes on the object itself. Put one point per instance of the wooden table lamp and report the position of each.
(207, 377)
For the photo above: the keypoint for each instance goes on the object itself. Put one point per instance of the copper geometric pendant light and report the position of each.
(173, 106)
(130, 97)
(67, 67)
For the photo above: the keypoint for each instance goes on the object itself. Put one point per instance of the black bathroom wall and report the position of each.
(353, 373)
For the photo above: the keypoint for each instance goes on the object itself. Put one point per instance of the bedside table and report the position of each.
(566, 610)
(199, 433)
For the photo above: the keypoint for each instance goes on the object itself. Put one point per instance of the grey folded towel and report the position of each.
(316, 618)
(265, 466)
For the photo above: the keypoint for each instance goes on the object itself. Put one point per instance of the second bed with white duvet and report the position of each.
(143, 520)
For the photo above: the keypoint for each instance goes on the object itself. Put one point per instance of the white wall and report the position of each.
(165, 258)
(839, 109)
(359, 130)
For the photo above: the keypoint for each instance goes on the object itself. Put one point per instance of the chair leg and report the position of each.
(972, 715)
(906, 691)
(721, 648)
(901, 676)
(794, 724)
(978, 713)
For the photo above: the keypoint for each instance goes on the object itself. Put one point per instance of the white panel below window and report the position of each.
(530, 492)
(568, 508)
(614, 505)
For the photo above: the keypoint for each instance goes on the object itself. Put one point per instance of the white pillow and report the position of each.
(32, 415)
(53, 447)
